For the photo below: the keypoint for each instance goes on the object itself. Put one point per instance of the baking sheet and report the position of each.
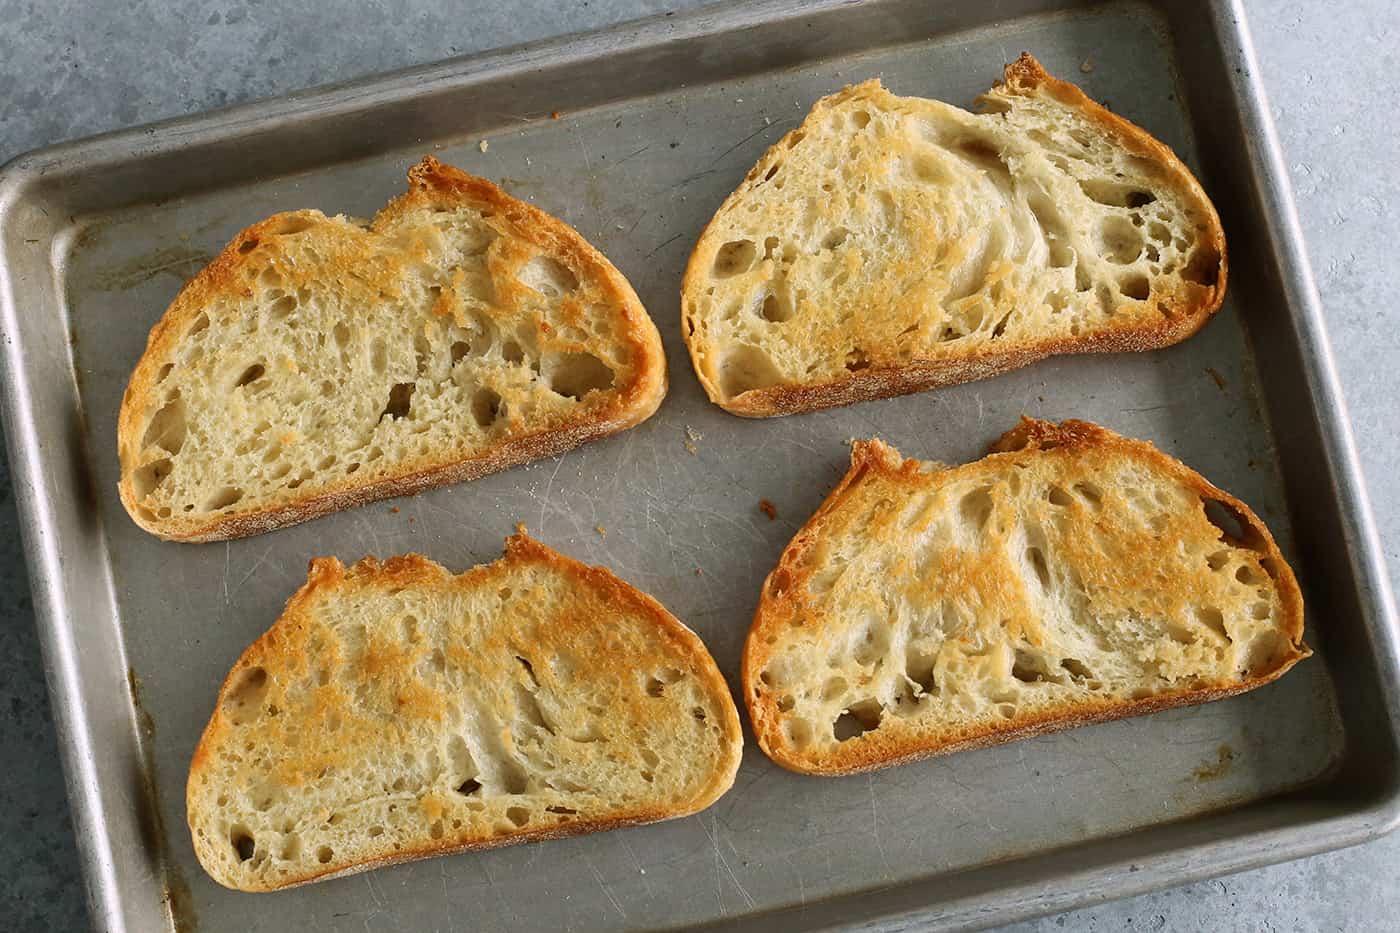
(143, 631)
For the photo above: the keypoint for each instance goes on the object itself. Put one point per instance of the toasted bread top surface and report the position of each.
(890, 244)
(320, 361)
(396, 711)
(1069, 576)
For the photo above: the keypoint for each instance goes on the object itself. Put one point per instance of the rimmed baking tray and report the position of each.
(634, 135)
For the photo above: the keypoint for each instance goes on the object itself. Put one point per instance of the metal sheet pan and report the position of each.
(658, 122)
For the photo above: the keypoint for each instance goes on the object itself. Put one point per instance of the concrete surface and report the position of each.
(69, 68)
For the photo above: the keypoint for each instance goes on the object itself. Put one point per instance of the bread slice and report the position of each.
(893, 244)
(321, 362)
(1071, 576)
(396, 711)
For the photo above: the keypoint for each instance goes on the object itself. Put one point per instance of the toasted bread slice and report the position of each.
(1071, 576)
(396, 711)
(319, 363)
(893, 244)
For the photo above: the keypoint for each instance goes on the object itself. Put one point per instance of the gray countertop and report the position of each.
(69, 68)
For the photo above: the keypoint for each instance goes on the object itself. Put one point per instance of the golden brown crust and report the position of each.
(429, 181)
(878, 382)
(1190, 309)
(877, 750)
(283, 647)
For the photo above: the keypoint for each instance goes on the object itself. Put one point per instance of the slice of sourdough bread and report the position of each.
(320, 362)
(893, 244)
(396, 711)
(1071, 576)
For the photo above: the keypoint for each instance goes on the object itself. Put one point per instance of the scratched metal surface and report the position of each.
(678, 500)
